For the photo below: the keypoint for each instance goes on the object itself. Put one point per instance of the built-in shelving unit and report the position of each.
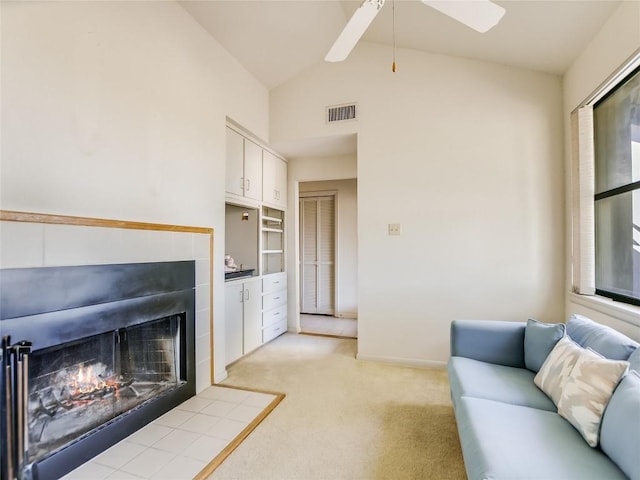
(272, 227)
(256, 199)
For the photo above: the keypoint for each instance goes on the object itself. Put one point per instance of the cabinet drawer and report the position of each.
(272, 300)
(271, 332)
(272, 283)
(274, 316)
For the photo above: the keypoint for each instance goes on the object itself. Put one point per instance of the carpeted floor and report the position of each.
(343, 418)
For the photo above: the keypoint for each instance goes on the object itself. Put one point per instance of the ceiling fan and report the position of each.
(481, 15)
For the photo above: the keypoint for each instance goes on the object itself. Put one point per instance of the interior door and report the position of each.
(317, 255)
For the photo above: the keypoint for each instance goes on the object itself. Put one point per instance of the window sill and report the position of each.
(621, 311)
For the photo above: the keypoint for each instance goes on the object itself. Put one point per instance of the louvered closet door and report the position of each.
(317, 254)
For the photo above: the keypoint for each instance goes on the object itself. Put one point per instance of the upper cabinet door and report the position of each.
(281, 182)
(252, 170)
(274, 186)
(235, 163)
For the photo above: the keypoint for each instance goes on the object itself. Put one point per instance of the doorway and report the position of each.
(327, 257)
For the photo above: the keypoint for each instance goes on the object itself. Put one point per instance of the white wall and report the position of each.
(616, 42)
(117, 110)
(346, 301)
(467, 157)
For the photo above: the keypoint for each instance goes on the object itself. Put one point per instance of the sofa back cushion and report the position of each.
(620, 434)
(539, 340)
(634, 360)
(602, 339)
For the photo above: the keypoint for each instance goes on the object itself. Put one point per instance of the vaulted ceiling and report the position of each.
(277, 39)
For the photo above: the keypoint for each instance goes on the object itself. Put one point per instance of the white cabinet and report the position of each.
(256, 181)
(244, 167)
(274, 180)
(243, 318)
(274, 306)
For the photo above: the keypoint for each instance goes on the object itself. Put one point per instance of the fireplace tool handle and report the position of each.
(22, 350)
(8, 402)
(16, 371)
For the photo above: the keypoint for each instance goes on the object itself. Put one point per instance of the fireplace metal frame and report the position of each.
(52, 305)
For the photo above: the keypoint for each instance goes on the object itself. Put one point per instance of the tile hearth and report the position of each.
(184, 441)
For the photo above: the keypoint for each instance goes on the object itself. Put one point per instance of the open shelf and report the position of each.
(272, 246)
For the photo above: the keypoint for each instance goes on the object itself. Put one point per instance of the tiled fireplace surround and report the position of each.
(28, 244)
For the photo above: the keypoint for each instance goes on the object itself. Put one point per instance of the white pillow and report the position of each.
(587, 392)
(555, 370)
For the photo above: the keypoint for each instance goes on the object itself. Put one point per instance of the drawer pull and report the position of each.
(276, 298)
(277, 313)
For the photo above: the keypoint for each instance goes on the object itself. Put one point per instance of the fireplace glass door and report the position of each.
(78, 386)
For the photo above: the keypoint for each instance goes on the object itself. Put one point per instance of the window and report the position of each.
(616, 144)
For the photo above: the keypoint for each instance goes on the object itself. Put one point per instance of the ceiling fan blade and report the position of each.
(481, 15)
(354, 29)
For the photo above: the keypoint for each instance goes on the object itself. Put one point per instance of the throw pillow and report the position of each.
(620, 433)
(556, 368)
(587, 392)
(539, 340)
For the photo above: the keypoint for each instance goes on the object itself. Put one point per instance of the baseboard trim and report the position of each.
(219, 377)
(407, 362)
(327, 335)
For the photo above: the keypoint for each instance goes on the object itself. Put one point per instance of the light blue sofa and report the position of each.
(509, 429)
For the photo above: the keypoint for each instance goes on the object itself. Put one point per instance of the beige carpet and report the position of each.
(343, 418)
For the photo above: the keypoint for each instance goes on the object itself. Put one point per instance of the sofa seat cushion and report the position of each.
(495, 382)
(504, 441)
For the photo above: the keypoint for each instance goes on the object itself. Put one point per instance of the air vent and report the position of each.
(340, 113)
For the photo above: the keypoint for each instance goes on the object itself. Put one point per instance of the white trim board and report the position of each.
(407, 362)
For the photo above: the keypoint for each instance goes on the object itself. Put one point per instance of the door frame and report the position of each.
(336, 289)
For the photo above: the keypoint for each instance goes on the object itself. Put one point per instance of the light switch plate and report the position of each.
(394, 229)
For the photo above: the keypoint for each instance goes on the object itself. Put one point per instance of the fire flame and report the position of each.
(86, 381)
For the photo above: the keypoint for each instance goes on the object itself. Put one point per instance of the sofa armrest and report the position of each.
(492, 341)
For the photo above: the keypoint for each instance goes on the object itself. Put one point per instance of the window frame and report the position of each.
(614, 192)
(583, 191)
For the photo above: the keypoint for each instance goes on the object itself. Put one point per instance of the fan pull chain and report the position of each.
(393, 9)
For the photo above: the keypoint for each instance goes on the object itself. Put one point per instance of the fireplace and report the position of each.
(89, 355)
